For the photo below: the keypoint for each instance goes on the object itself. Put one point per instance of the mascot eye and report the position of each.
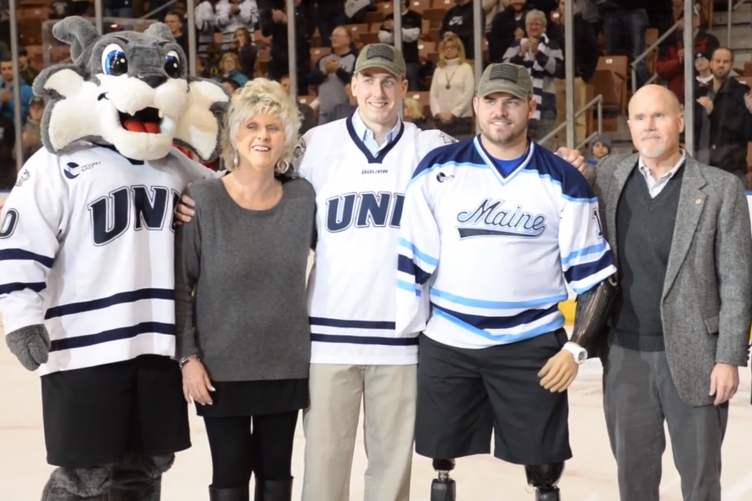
(172, 64)
(114, 61)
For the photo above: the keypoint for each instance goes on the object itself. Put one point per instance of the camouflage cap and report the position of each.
(381, 55)
(506, 77)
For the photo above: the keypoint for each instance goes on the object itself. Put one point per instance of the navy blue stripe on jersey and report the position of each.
(491, 323)
(359, 142)
(24, 255)
(373, 340)
(20, 286)
(593, 249)
(503, 338)
(112, 335)
(351, 324)
(584, 270)
(120, 298)
(406, 265)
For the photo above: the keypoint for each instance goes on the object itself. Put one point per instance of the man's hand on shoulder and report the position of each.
(574, 157)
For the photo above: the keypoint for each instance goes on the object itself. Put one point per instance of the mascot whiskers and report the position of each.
(87, 251)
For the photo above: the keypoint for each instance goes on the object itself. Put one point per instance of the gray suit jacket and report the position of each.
(706, 305)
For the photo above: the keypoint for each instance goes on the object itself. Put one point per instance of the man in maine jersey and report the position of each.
(493, 230)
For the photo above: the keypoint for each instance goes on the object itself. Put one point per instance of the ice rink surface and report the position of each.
(590, 476)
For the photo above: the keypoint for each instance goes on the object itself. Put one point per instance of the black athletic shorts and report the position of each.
(464, 395)
(94, 416)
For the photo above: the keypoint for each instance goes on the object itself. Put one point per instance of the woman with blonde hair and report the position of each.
(243, 338)
(452, 89)
(229, 68)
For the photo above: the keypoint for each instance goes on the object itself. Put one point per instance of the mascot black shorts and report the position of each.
(95, 416)
(464, 395)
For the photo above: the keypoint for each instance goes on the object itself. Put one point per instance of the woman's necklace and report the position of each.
(449, 79)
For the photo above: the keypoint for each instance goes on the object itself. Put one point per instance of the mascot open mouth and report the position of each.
(149, 120)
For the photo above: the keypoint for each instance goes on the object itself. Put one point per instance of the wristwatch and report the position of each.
(185, 360)
(578, 352)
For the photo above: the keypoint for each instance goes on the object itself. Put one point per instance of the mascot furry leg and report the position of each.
(86, 257)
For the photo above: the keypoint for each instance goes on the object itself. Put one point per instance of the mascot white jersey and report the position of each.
(86, 257)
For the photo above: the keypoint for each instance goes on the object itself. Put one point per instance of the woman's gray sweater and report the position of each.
(248, 320)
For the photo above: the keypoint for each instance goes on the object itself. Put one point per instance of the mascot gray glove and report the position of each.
(31, 345)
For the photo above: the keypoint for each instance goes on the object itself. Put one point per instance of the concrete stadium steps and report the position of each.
(741, 31)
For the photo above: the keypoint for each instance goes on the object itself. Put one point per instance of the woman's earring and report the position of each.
(235, 159)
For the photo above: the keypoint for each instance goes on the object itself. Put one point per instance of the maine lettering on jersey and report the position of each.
(132, 207)
(492, 219)
(364, 210)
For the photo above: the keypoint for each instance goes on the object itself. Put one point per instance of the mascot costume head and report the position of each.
(130, 91)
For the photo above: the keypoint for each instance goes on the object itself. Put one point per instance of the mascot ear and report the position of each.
(160, 31)
(76, 32)
(200, 127)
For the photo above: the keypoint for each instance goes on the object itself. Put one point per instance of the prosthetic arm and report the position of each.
(591, 314)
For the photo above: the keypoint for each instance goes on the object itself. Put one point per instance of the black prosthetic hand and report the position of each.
(31, 345)
(591, 315)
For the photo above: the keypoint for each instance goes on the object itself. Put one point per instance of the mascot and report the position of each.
(86, 257)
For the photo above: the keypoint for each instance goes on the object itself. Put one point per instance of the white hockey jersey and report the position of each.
(87, 247)
(359, 201)
(485, 259)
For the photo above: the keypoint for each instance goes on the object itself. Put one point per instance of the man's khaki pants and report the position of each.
(580, 123)
(388, 393)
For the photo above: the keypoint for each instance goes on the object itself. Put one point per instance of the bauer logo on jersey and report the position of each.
(72, 170)
(495, 219)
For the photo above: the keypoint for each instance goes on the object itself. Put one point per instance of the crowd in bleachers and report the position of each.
(238, 40)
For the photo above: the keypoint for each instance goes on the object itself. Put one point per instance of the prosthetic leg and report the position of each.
(78, 484)
(138, 477)
(544, 478)
(273, 490)
(443, 488)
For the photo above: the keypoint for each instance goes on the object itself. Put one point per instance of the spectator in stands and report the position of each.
(490, 9)
(60, 9)
(600, 148)
(459, 20)
(28, 74)
(233, 15)
(545, 61)
(119, 8)
(213, 59)
(246, 50)
(412, 25)
(670, 64)
(273, 23)
(507, 28)
(205, 25)
(8, 172)
(704, 76)
(309, 116)
(175, 23)
(6, 92)
(624, 24)
(30, 136)
(452, 89)
(413, 112)
(202, 67)
(231, 85)
(723, 119)
(586, 54)
(229, 68)
(333, 72)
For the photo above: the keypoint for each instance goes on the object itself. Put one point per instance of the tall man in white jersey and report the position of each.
(493, 230)
(360, 168)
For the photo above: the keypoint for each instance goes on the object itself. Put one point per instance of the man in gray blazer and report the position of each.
(680, 325)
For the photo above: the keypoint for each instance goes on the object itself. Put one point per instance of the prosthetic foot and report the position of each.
(240, 494)
(79, 484)
(273, 490)
(443, 488)
(139, 477)
(544, 478)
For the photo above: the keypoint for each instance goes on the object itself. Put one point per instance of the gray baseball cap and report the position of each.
(506, 77)
(381, 55)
